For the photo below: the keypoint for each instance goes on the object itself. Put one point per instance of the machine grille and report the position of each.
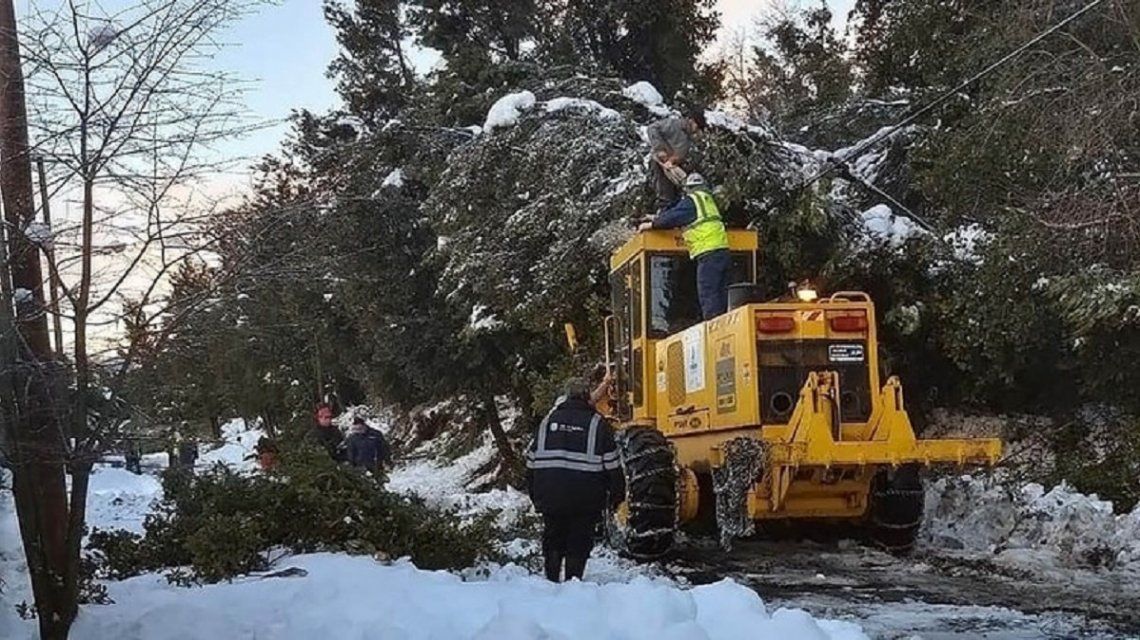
(784, 367)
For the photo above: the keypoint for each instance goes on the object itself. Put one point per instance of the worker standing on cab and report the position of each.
(572, 474)
(706, 238)
(670, 141)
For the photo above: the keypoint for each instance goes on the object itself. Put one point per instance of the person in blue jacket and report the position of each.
(707, 239)
(366, 447)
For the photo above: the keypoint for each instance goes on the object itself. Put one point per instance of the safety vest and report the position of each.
(707, 232)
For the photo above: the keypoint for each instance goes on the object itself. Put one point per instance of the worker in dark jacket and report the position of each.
(707, 240)
(326, 434)
(366, 447)
(670, 141)
(573, 473)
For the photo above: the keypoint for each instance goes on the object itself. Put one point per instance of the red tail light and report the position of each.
(849, 324)
(775, 324)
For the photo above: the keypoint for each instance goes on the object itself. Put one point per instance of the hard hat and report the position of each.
(695, 180)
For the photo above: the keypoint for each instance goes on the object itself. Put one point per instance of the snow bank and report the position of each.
(356, 597)
(880, 223)
(581, 105)
(1061, 525)
(506, 110)
(239, 441)
(14, 584)
(119, 499)
(443, 485)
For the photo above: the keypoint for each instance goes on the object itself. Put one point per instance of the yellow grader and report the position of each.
(772, 412)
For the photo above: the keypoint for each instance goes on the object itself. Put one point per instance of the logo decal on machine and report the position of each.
(846, 353)
(693, 340)
(725, 378)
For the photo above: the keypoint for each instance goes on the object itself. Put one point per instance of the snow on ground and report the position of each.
(119, 499)
(357, 597)
(506, 110)
(14, 586)
(1030, 526)
(239, 441)
(443, 484)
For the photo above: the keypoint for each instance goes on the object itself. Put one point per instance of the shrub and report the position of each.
(220, 524)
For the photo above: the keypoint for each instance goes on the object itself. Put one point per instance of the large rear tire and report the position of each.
(646, 525)
(896, 509)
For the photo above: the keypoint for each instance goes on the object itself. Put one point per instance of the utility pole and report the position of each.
(49, 253)
(37, 441)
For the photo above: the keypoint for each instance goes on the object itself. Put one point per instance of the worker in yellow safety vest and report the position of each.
(706, 238)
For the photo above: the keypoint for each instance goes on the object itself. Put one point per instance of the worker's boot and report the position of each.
(575, 567)
(554, 567)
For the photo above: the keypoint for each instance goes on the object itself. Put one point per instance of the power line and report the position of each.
(832, 165)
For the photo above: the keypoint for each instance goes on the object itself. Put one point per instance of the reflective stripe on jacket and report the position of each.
(572, 465)
(707, 232)
(590, 460)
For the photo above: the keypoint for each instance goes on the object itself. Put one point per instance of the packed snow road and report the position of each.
(932, 595)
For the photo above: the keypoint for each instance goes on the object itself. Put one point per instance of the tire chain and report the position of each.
(743, 463)
(623, 535)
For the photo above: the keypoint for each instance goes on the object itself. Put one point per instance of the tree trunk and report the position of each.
(216, 427)
(37, 442)
(495, 424)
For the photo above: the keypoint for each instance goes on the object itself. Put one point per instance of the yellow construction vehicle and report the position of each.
(774, 411)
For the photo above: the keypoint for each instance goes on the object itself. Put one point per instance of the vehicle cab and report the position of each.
(653, 286)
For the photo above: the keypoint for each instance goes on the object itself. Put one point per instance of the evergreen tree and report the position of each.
(373, 72)
(659, 42)
(801, 72)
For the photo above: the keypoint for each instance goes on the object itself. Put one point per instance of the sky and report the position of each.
(286, 49)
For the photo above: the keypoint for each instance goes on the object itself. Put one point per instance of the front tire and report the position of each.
(646, 524)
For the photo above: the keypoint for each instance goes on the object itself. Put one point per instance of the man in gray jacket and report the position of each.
(670, 140)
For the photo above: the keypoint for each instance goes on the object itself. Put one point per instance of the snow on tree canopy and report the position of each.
(39, 233)
(506, 110)
(394, 179)
(481, 320)
(644, 93)
(581, 105)
(101, 35)
(532, 212)
(966, 241)
(881, 223)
